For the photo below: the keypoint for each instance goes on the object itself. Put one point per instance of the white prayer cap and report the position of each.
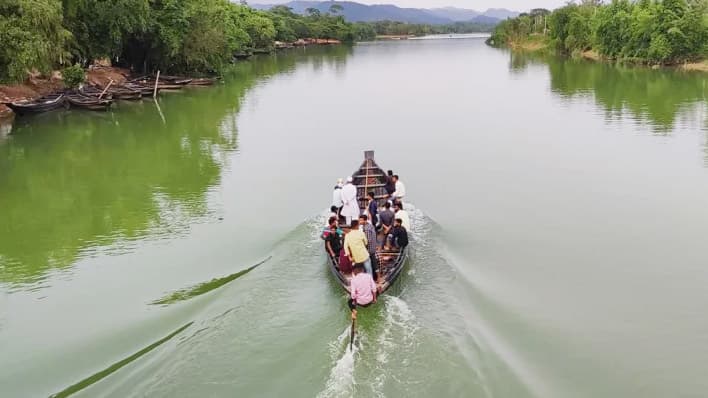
(340, 181)
(350, 179)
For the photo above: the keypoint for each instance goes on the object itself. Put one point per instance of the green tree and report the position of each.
(31, 37)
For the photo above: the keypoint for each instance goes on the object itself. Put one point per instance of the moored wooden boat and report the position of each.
(161, 85)
(180, 80)
(125, 93)
(145, 91)
(39, 105)
(93, 92)
(367, 178)
(90, 103)
(115, 92)
(202, 81)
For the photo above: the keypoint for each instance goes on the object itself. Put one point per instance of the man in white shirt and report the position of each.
(400, 189)
(403, 215)
(350, 211)
(337, 194)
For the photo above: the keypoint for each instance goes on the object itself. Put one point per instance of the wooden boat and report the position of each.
(150, 82)
(179, 80)
(39, 105)
(93, 92)
(202, 81)
(164, 79)
(90, 103)
(125, 93)
(145, 91)
(367, 178)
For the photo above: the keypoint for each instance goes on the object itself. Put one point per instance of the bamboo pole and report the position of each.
(157, 79)
(105, 89)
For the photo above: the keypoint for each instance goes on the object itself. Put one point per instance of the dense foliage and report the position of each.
(31, 37)
(171, 35)
(652, 31)
(73, 76)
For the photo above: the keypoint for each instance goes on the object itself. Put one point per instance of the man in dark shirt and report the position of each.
(372, 209)
(333, 240)
(386, 217)
(390, 184)
(399, 235)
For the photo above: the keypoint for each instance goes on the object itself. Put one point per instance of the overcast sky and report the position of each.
(481, 5)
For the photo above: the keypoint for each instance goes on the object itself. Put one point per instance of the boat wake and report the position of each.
(373, 349)
(341, 378)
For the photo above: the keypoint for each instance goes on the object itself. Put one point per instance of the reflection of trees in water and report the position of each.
(664, 99)
(520, 60)
(659, 97)
(77, 181)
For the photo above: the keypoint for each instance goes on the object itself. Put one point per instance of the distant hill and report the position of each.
(500, 13)
(455, 14)
(357, 12)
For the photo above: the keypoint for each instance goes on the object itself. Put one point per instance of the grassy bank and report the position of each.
(531, 43)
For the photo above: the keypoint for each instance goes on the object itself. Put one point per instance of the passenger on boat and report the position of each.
(350, 211)
(403, 215)
(362, 289)
(337, 195)
(390, 184)
(372, 242)
(400, 192)
(333, 238)
(345, 263)
(356, 246)
(398, 236)
(334, 212)
(386, 217)
(372, 209)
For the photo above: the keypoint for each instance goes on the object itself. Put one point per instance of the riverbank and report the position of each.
(97, 75)
(533, 43)
(542, 44)
(36, 86)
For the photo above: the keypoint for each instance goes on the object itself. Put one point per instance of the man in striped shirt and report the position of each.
(370, 232)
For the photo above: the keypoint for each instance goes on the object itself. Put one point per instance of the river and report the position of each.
(558, 250)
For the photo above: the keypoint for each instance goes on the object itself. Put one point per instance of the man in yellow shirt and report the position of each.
(355, 246)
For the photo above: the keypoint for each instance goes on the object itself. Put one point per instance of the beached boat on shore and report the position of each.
(39, 105)
(369, 177)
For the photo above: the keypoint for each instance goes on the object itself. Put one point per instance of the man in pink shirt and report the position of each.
(362, 288)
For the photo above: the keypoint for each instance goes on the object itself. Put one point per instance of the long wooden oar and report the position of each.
(351, 340)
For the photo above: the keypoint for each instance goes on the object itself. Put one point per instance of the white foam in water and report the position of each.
(341, 381)
(399, 328)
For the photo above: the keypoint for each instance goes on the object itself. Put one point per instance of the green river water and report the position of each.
(558, 250)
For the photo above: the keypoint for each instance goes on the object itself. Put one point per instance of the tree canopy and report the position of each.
(173, 35)
(651, 31)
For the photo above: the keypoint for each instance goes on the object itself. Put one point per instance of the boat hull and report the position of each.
(369, 177)
(88, 103)
(41, 105)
